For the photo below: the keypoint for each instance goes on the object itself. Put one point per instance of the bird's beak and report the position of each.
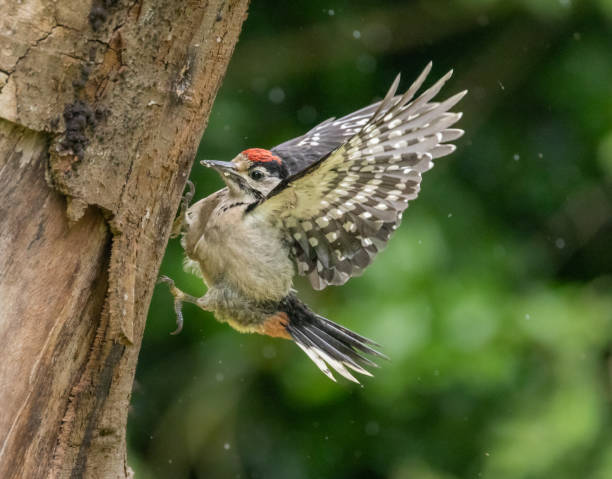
(229, 173)
(225, 168)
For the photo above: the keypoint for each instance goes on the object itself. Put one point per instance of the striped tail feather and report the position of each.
(328, 344)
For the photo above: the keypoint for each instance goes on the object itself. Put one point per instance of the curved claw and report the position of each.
(178, 302)
(165, 279)
(179, 298)
(179, 316)
(189, 195)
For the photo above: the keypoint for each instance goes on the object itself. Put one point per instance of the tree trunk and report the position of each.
(102, 105)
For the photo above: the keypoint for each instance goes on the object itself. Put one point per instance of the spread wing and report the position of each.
(338, 213)
(301, 152)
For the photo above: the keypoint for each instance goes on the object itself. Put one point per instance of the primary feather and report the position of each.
(357, 175)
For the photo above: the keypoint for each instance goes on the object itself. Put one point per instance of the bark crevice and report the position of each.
(85, 222)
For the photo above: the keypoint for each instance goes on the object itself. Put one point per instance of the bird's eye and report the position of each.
(256, 175)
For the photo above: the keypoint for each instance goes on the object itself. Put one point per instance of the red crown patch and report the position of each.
(260, 155)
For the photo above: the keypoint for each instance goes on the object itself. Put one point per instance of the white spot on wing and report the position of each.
(322, 221)
(331, 237)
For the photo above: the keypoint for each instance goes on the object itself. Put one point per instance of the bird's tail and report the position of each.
(325, 342)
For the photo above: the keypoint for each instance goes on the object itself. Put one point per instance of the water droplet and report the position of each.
(331, 12)
(227, 446)
(276, 95)
(516, 157)
(356, 34)
(560, 243)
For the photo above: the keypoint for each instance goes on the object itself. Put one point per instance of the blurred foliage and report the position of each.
(494, 299)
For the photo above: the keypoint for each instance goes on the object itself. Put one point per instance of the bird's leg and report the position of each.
(180, 219)
(179, 298)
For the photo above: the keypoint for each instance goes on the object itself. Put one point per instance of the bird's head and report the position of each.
(252, 174)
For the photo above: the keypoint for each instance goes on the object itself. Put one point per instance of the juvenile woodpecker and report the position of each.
(321, 205)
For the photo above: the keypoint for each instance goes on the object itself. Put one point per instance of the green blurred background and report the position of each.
(494, 299)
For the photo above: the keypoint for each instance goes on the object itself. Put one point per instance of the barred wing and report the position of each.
(340, 212)
(301, 152)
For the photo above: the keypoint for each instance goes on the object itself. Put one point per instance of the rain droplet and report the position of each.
(516, 157)
(356, 34)
(227, 446)
(276, 95)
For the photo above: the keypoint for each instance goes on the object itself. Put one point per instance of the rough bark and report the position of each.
(102, 105)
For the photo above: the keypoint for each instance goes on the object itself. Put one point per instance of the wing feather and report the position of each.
(341, 210)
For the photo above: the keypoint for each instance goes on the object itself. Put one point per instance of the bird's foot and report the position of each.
(179, 298)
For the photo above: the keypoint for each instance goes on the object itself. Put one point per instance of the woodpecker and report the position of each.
(321, 205)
